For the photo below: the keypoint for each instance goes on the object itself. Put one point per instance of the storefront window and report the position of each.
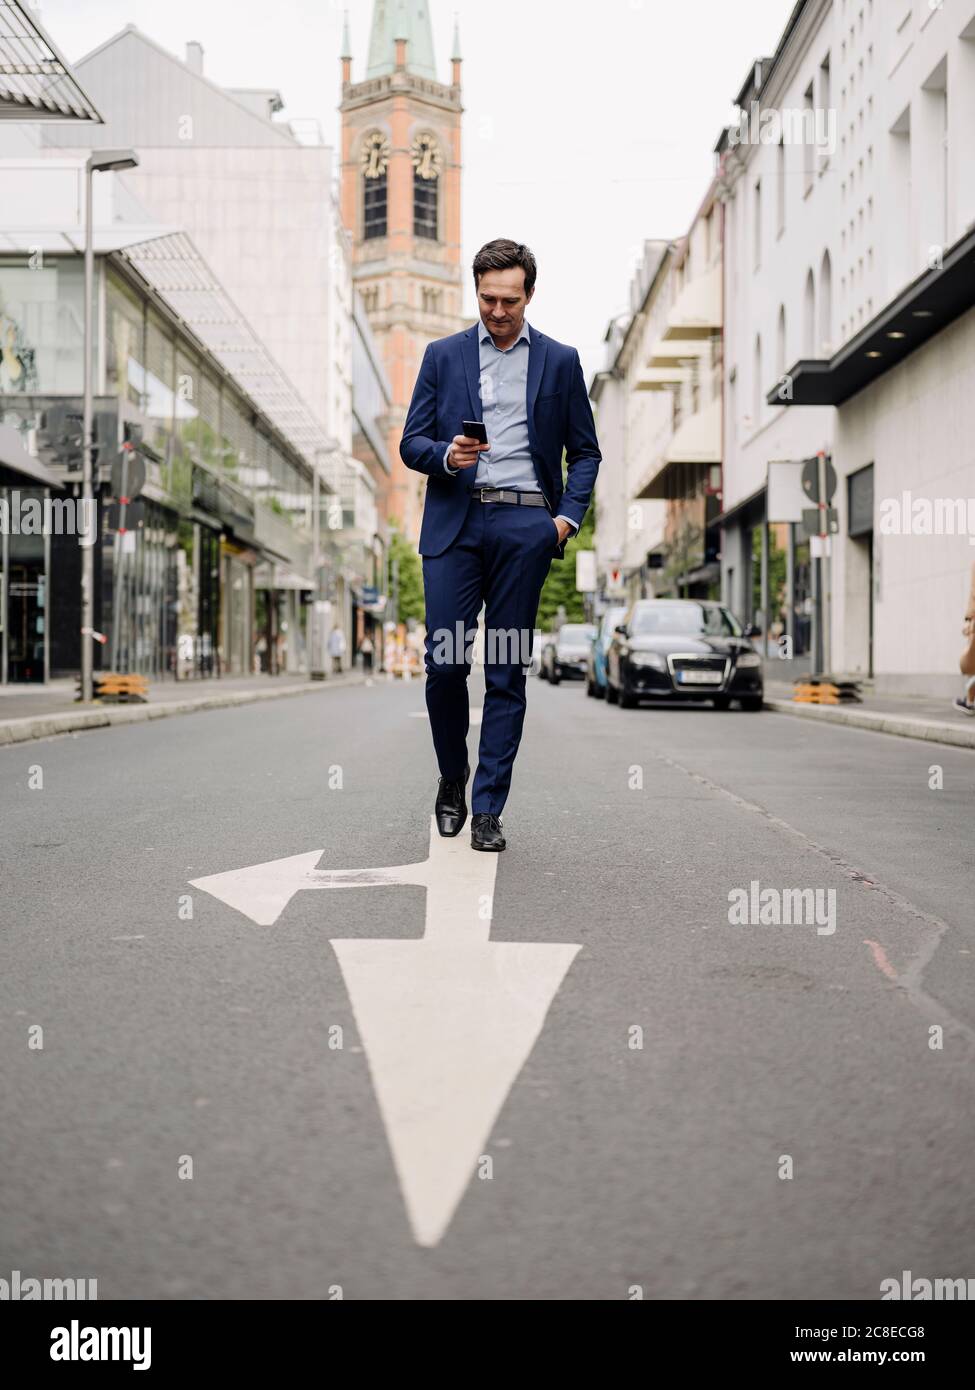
(160, 382)
(233, 434)
(41, 325)
(141, 592)
(23, 588)
(278, 498)
(125, 355)
(261, 473)
(802, 587)
(196, 409)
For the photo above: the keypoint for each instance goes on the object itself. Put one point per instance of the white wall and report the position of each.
(916, 425)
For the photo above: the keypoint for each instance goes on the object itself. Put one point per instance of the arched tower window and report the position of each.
(375, 161)
(427, 168)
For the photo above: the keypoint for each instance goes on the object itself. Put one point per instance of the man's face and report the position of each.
(502, 301)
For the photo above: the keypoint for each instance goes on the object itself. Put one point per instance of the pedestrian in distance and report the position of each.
(966, 702)
(336, 649)
(495, 515)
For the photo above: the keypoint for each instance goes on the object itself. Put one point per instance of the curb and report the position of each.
(73, 721)
(929, 730)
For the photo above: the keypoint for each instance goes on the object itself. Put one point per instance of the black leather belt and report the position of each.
(500, 494)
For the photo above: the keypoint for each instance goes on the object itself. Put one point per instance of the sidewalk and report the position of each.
(908, 716)
(28, 712)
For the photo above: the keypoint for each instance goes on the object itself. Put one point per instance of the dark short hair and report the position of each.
(505, 255)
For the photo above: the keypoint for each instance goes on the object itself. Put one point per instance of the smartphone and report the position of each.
(475, 429)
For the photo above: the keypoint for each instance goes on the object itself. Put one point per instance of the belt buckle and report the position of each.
(481, 491)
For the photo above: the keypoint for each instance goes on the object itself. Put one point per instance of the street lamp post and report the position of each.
(98, 161)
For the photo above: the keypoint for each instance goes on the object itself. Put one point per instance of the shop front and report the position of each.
(282, 602)
(30, 497)
(24, 569)
(237, 564)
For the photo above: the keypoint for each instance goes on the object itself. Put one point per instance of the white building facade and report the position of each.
(850, 329)
(633, 424)
(660, 422)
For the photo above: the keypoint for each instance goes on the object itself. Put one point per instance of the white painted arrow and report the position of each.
(447, 1022)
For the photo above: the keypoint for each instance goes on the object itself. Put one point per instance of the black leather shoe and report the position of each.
(486, 831)
(451, 806)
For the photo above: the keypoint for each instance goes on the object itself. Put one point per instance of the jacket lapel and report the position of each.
(536, 361)
(472, 370)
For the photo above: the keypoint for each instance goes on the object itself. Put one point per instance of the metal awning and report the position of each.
(36, 83)
(13, 455)
(929, 304)
(744, 504)
(174, 268)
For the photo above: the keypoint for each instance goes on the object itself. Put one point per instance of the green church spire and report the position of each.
(394, 19)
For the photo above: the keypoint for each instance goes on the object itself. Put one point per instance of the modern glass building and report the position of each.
(211, 569)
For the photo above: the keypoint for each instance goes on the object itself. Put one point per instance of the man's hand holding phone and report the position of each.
(465, 450)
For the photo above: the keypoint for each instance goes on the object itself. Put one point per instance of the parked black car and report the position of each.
(683, 649)
(567, 657)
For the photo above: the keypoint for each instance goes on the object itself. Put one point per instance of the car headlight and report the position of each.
(749, 659)
(653, 659)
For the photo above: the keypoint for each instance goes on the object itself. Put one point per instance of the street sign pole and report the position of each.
(819, 483)
(119, 561)
(87, 470)
(824, 502)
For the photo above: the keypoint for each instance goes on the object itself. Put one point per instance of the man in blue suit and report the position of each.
(494, 518)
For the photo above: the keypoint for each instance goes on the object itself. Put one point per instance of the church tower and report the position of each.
(401, 163)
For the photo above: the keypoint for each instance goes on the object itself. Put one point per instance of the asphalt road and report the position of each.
(673, 1066)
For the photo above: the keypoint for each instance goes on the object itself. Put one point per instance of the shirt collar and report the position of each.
(485, 336)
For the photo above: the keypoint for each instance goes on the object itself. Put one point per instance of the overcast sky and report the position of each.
(589, 124)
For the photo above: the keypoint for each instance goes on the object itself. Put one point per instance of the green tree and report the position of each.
(560, 586)
(410, 577)
(777, 561)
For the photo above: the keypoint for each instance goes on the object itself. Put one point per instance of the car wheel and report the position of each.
(612, 695)
(753, 704)
(627, 701)
(722, 701)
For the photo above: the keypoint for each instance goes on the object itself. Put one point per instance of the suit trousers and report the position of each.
(499, 558)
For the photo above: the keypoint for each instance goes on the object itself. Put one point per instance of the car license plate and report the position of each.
(700, 677)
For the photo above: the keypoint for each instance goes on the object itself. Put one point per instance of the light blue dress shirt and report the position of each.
(504, 402)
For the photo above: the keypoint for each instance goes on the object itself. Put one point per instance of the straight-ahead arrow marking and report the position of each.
(446, 1022)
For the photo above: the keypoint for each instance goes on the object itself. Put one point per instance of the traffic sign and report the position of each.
(810, 480)
(586, 571)
(813, 519)
(128, 473)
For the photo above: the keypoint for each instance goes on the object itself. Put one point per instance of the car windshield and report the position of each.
(684, 620)
(577, 632)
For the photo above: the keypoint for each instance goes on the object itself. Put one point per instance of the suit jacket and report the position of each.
(447, 392)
